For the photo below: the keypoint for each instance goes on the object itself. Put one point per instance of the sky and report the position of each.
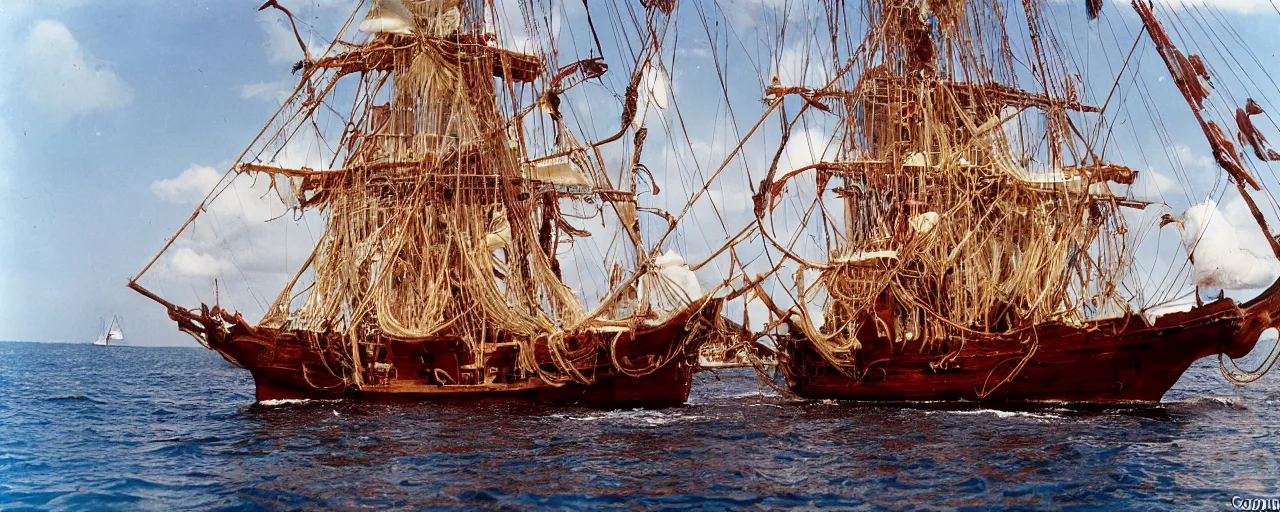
(115, 118)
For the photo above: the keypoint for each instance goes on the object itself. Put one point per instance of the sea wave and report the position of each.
(213, 448)
(634, 417)
(295, 401)
(1210, 402)
(1001, 414)
(74, 398)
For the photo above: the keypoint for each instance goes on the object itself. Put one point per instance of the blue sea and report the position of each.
(98, 428)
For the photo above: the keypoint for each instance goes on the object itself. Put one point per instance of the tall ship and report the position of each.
(449, 167)
(973, 234)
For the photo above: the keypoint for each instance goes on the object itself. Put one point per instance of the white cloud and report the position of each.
(281, 45)
(189, 263)
(512, 32)
(63, 79)
(1153, 186)
(800, 65)
(1191, 175)
(805, 148)
(747, 14)
(1189, 158)
(246, 238)
(318, 22)
(265, 91)
(696, 49)
(247, 201)
(232, 241)
(190, 186)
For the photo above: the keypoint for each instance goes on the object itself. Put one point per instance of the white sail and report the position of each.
(112, 334)
(558, 171)
(389, 17)
(654, 92)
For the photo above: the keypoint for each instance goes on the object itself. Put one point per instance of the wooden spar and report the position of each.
(305, 172)
(1093, 173)
(440, 180)
(989, 91)
(133, 284)
(379, 55)
(1184, 72)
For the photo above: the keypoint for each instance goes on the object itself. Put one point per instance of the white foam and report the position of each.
(1005, 414)
(751, 394)
(634, 417)
(292, 401)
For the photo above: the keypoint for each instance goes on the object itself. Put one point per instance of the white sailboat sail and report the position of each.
(112, 335)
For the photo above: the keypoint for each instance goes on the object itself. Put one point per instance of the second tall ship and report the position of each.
(973, 244)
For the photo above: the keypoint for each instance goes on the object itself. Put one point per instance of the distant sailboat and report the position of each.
(111, 334)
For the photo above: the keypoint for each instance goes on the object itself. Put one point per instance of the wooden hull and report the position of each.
(660, 360)
(668, 387)
(1115, 361)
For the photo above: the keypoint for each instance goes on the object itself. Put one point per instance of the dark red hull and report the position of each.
(660, 360)
(667, 387)
(1122, 360)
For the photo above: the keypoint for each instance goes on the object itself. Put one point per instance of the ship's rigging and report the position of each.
(971, 207)
(970, 191)
(451, 184)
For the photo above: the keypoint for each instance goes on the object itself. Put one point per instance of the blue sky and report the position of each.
(107, 101)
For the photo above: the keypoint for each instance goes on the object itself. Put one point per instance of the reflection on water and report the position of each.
(87, 427)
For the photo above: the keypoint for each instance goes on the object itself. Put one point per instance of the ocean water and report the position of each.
(85, 427)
